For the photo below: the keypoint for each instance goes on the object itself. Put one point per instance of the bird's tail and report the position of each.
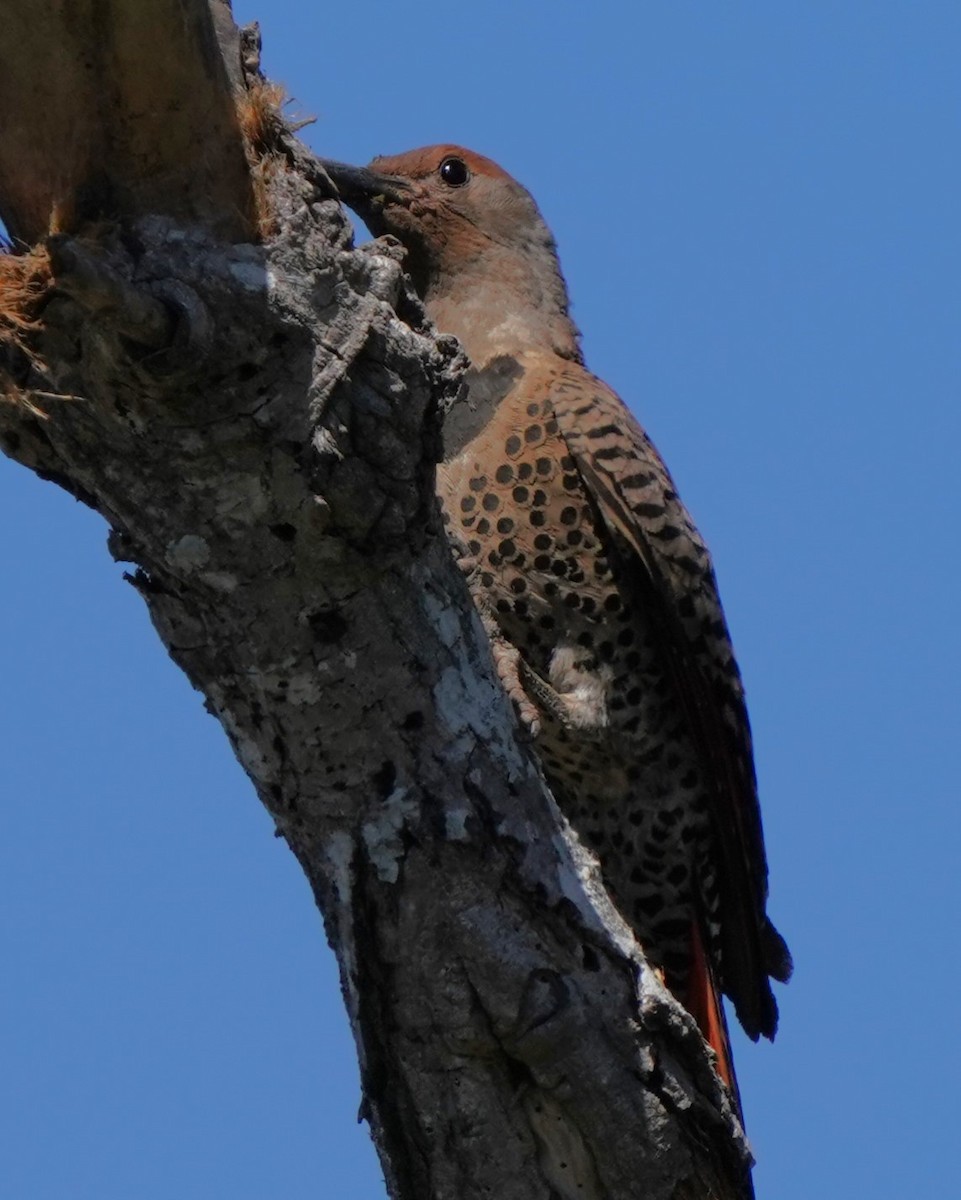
(704, 1005)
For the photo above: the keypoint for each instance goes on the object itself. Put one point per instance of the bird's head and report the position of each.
(479, 251)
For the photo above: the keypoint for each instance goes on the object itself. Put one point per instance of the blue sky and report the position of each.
(756, 207)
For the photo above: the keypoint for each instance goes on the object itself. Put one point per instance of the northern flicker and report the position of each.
(596, 585)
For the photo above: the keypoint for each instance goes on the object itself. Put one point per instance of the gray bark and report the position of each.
(257, 418)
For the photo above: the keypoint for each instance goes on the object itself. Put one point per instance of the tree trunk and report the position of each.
(190, 345)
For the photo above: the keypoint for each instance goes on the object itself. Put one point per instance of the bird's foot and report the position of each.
(549, 701)
(508, 661)
(509, 664)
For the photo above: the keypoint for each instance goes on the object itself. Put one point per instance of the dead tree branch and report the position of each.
(190, 344)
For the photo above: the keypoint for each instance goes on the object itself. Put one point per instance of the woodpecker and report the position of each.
(597, 588)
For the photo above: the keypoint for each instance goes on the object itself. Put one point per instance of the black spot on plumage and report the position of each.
(491, 502)
(533, 433)
(513, 445)
(638, 479)
(521, 495)
(504, 473)
(468, 504)
(505, 525)
(537, 518)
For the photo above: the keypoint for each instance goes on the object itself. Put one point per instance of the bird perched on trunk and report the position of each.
(596, 586)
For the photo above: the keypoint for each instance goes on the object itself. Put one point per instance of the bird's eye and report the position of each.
(454, 172)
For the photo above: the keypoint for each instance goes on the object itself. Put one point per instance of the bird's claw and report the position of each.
(509, 664)
(548, 700)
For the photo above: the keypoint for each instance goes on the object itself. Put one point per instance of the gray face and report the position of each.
(450, 208)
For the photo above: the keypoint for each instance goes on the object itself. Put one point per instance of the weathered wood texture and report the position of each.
(259, 423)
(133, 97)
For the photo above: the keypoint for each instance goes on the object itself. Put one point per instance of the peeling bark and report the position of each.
(259, 423)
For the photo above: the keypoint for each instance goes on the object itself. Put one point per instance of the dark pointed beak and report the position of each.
(360, 187)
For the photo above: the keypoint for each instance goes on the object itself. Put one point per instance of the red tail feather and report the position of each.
(704, 1005)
